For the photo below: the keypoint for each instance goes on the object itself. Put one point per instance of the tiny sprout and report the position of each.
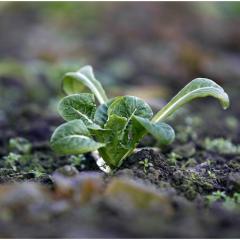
(11, 159)
(115, 126)
(146, 164)
(211, 174)
(20, 145)
(173, 157)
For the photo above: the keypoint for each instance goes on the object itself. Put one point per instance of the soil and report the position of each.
(189, 189)
(44, 195)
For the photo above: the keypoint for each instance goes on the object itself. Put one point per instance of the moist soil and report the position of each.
(189, 189)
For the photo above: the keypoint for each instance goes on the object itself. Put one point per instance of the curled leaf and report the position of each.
(197, 88)
(114, 150)
(101, 114)
(73, 137)
(163, 132)
(76, 82)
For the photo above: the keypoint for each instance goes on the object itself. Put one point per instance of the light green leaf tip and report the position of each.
(76, 82)
(197, 88)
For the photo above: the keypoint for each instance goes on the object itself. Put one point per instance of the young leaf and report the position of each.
(128, 106)
(101, 114)
(197, 88)
(78, 106)
(76, 82)
(161, 131)
(73, 138)
(114, 150)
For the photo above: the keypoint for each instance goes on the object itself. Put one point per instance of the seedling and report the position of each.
(173, 157)
(116, 125)
(12, 159)
(20, 145)
(146, 164)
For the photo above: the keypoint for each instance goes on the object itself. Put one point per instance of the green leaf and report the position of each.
(197, 88)
(114, 150)
(78, 106)
(101, 114)
(129, 106)
(73, 138)
(161, 131)
(76, 82)
(115, 123)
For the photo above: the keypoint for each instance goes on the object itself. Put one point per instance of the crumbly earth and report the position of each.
(190, 189)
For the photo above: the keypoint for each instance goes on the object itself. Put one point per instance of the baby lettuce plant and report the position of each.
(116, 125)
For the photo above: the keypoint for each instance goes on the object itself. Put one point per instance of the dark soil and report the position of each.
(190, 189)
(62, 197)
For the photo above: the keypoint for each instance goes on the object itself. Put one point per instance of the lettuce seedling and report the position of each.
(116, 125)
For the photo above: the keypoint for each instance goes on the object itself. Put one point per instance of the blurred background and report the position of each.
(146, 49)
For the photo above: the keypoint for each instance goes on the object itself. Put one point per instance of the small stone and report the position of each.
(151, 169)
(234, 179)
(125, 173)
(23, 194)
(24, 199)
(82, 188)
(135, 195)
(67, 171)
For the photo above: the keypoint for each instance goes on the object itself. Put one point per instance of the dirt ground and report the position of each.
(189, 189)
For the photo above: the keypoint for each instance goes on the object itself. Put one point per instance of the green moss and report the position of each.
(191, 162)
(185, 133)
(187, 130)
(35, 164)
(11, 160)
(78, 160)
(186, 150)
(192, 183)
(221, 145)
(231, 203)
